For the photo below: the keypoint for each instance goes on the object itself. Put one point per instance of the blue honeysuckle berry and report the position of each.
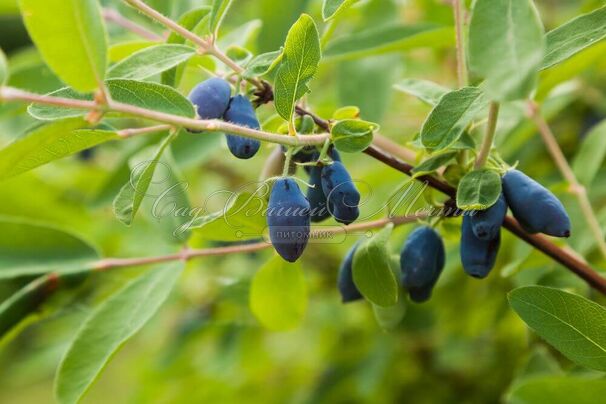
(477, 256)
(241, 112)
(534, 206)
(343, 197)
(421, 262)
(288, 219)
(211, 98)
(486, 224)
(348, 290)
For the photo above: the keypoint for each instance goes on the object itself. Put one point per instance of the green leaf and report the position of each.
(389, 38)
(48, 143)
(71, 37)
(298, 66)
(27, 300)
(589, 158)
(425, 90)
(506, 46)
(478, 190)
(451, 116)
(151, 61)
(262, 64)
(572, 324)
(189, 21)
(142, 94)
(241, 219)
(127, 202)
(372, 273)
(217, 13)
(278, 294)
(110, 325)
(433, 163)
(332, 8)
(353, 135)
(122, 50)
(28, 248)
(3, 69)
(574, 36)
(390, 317)
(557, 390)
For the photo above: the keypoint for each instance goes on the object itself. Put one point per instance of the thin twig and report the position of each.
(187, 254)
(114, 16)
(491, 126)
(575, 186)
(170, 24)
(13, 94)
(458, 7)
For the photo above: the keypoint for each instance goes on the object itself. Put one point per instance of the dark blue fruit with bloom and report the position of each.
(477, 256)
(241, 112)
(211, 98)
(317, 199)
(343, 197)
(534, 206)
(347, 288)
(486, 224)
(421, 261)
(288, 219)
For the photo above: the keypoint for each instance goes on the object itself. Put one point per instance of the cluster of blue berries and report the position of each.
(422, 257)
(289, 213)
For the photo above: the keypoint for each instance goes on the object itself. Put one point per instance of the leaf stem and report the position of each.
(114, 16)
(287, 161)
(576, 187)
(491, 126)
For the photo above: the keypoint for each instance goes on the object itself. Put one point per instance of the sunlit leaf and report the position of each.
(217, 13)
(478, 190)
(71, 37)
(332, 8)
(427, 91)
(278, 294)
(151, 61)
(352, 135)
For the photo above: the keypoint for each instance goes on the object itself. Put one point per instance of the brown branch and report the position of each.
(541, 243)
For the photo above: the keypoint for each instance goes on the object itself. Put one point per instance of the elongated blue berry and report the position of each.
(534, 206)
(211, 98)
(477, 256)
(486, 224)
(343, 197)
(288, 219)
(421, 261)
(241, 112)
(315, 195)
(347, 288)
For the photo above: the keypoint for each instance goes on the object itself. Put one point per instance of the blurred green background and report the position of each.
(464, 346)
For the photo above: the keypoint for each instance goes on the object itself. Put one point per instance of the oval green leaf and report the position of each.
(28, 248)
(589, 158)
(151, 61)
(479, 190)
(557, 390)
(110, 325)
(506, 46)
(71, 37)
(451, 116)
(570, 323)
(574, 36)
(278, 294)
(298, 66)
(425, 90)
(217, 13)
(332, 8)
(372, 272)
(352, 135)
(433, 163)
